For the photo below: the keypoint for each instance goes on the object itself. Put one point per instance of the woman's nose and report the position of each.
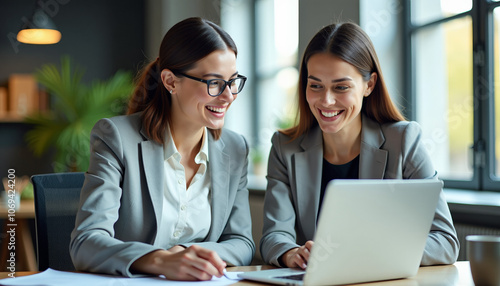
(226, 95)
(328, 98)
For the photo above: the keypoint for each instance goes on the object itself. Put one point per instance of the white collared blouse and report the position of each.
(186, 212)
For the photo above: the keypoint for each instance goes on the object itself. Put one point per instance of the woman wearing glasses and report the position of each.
(165, 193)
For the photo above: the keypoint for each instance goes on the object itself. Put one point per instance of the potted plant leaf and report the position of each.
(76, 107)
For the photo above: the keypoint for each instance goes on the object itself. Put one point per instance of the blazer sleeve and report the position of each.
(442, 244)
(93, 246)
(235, 245)
(278, 235)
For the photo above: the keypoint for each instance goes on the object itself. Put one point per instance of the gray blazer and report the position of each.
(389, 151)
(122, 198)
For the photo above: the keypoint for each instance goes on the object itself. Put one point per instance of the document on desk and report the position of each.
(52, 277)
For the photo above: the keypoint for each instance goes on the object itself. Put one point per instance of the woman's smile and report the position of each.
(328, 114)
(218, 111)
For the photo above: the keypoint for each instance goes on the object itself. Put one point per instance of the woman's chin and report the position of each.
(216, 125)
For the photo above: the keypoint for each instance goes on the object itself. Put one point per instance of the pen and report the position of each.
(225, 274)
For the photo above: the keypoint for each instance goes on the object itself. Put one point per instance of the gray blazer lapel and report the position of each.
(308, 178)
(221, 163)
(372, 160)
(152, 158)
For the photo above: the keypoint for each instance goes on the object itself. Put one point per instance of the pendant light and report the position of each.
(39, 29)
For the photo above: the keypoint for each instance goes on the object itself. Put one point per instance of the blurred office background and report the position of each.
(425, 47)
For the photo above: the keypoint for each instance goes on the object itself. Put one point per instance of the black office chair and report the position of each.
(57, 198)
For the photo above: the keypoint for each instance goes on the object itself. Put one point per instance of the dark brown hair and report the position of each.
(184, 44)
(351, 44)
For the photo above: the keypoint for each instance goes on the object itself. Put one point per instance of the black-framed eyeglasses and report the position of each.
(216, 87)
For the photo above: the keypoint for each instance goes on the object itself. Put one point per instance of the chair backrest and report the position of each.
(57, 199)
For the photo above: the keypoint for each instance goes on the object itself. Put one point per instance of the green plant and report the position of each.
(256, 155)
(27, 193)
(76, 107)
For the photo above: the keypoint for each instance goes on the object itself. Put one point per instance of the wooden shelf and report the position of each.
(11, 119)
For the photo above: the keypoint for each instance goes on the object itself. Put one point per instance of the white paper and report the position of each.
(52, 277)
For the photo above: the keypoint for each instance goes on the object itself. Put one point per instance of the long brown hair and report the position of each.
(183, 45)
(351, 44)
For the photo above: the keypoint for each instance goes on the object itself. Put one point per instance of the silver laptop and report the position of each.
(368, 230)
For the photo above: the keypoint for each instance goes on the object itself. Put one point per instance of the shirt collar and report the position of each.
(170, 149)
(202, 156)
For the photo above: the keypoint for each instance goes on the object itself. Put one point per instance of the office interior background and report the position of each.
(440, 60)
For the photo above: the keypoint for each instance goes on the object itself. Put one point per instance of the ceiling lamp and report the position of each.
(39, 29)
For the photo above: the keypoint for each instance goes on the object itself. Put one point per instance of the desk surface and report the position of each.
(446, 275)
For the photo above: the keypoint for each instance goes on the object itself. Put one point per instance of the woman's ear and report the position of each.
(370, 84)
(168, 79)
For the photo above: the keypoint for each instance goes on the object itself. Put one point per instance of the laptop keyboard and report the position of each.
(297, 277)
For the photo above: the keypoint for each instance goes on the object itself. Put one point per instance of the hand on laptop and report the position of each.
(178, 263)
(298, 257)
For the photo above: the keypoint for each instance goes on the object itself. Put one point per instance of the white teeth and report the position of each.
(329, 114)
(215, 109)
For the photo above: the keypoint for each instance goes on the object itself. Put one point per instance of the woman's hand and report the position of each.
(298, 257)
(176, 248)
(192, 263)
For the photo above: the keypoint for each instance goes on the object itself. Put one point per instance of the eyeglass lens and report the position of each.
(217, 86)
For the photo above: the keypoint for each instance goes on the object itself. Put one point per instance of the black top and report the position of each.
(348, 170)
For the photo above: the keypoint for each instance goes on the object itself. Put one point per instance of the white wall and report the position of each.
(234, 19)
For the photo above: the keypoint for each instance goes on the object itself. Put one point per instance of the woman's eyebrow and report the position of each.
(333, 80)
(313, 78)
(218, 75)
(342, 79)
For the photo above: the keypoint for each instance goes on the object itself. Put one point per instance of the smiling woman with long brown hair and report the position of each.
(348, 128)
